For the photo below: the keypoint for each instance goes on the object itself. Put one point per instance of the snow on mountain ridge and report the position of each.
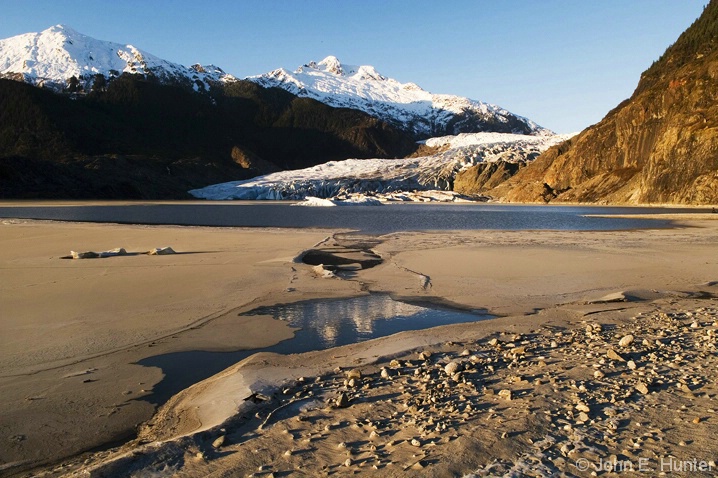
(406, 105)
(53, 56)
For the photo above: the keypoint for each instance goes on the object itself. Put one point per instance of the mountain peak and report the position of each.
(60, 27)
(331, 64)
(404, 105)
(55, 55)
(60, 31)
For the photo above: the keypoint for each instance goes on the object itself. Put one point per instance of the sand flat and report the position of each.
(69, 364)
(60, 317)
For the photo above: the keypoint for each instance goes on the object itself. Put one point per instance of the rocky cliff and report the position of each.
(659, 146)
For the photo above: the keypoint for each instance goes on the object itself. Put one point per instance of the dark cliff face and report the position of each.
(483, 177)
(659, 146)
(138, 139)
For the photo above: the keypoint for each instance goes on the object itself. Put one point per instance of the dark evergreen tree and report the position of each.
(73, 85)
(100, 83)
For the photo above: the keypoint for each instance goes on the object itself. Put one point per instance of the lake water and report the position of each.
(367, 219)
(322, 324)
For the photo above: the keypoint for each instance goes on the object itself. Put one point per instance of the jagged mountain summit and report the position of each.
(53, 57)
(403, 104)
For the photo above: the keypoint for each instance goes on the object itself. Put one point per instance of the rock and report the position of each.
(465, 353)
(598, 374)
(419, 465)
(351, 383)
(493, 342)
(685, 389)
(505, 394)
(161, 251)
(626, 340)
(342, 400)
(84, 255)
(451, 368)
(217, 443)
(348, 462)
(582, 407)
(582, 417)
(415, 442)
(613, 355)
(385, 373)
(395, 364)
(631, 364)
(323, 271)
(354, 374)
(425, 355)
(641, 387)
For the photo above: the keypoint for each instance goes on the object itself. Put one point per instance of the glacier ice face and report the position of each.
(405, 105)
(397, 179)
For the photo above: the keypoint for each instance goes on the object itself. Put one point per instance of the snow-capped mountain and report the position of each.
(57, 56)
(54, 56)
(403, 104)
(390, 179)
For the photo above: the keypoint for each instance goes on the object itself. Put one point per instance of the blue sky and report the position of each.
(562, 63)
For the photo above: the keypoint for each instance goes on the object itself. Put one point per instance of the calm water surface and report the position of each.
(322, 324)
(367, 219)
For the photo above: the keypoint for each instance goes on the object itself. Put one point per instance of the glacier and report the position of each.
(424, 178)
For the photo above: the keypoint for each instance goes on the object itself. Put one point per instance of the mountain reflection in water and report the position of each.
(330, 323)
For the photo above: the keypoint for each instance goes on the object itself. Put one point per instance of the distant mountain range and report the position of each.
(62, 59)
(406, 105)
(107, 120)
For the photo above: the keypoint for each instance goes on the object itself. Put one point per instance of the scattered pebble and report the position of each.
(218, 442)
(626, 340)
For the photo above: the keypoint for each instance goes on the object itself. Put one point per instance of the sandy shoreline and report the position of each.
(75, 329)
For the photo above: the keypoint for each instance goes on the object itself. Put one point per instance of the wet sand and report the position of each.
(72, 331)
